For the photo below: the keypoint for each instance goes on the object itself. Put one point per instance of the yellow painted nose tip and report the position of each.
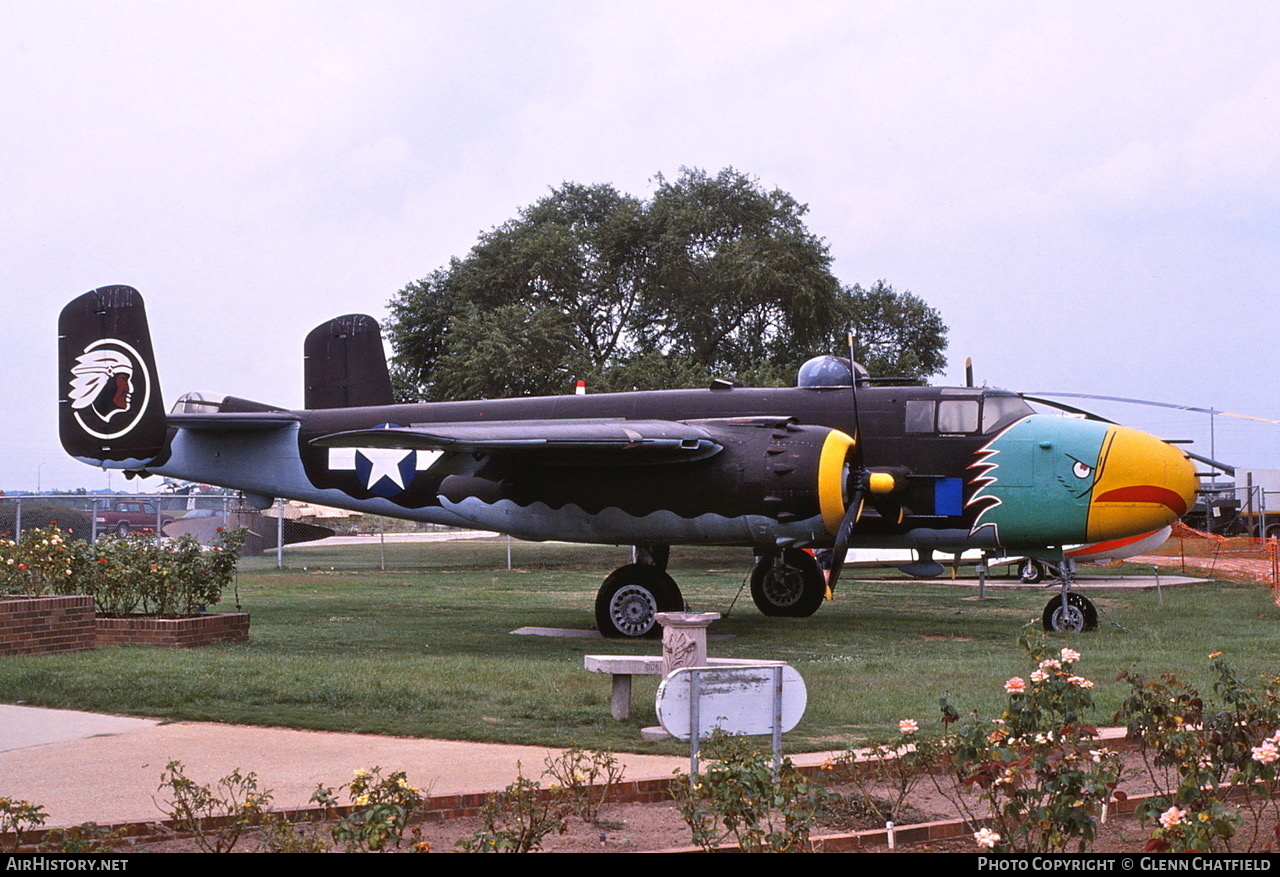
(1143, 484)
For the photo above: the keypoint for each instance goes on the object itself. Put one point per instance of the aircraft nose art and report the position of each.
(1143, 484)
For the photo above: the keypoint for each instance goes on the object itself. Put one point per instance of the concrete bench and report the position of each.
(623, 667)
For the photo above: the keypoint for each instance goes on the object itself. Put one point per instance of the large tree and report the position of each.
(712, 276)
(735, 278)
(895, 333)
(574, 261)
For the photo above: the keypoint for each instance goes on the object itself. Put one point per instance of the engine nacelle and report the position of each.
(772, 481)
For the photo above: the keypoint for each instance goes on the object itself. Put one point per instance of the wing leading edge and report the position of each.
(553, 442)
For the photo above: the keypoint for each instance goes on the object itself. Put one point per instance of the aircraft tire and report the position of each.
(630, 598)
(1031, 572)
(1079, 614)
(792, 589)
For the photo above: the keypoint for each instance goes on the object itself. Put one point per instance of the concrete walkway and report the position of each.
(83, 766)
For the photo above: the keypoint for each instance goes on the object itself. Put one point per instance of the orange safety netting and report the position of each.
(1238, 558)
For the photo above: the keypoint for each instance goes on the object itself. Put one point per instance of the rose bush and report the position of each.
(1208, 761)
(1036, 774)
(123, 574)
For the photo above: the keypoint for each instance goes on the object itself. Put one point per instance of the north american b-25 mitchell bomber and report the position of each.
(834, 462)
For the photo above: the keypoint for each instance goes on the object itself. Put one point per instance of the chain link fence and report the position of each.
(293, 535)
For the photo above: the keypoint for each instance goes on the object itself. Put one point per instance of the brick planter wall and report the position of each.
(46, 625)
(182, 633)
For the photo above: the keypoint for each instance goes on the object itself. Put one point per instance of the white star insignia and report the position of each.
(385, 463)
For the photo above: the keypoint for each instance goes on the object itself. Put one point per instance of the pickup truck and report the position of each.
(130, 515)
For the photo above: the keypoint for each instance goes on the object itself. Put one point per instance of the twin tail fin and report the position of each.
(110, 410)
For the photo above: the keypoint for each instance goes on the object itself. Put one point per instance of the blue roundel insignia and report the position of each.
(385, 472)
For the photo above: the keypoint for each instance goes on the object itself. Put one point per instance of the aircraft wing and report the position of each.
(245, 421)
(559, 442)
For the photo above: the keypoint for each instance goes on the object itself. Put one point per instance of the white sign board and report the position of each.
(736, 700)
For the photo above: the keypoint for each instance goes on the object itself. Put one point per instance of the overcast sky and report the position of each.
(1087, 192)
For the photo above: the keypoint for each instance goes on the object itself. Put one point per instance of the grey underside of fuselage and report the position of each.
(614, 526)
(266, 463)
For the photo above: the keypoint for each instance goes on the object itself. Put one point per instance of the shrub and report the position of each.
(517, 819)
(87, 837)
(74, 523)
(44, 561)
(739, 797)
(1202, 756)
(18, 816)
(282, 836)
(123, 574)
(382, 809)
(1039, 774)
(897, 767)
(587, 777)
(216, 816)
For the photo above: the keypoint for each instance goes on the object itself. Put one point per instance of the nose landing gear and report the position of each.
(1069, 610)
(1076, 614)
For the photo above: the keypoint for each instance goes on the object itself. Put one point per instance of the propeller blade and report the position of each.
(1221, 467)
(1213, 411)
(858, 497)
(840, 549)
(888, 508)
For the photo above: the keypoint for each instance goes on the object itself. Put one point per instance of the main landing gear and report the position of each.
(633, 594)
(788, 585)
(1032, 572)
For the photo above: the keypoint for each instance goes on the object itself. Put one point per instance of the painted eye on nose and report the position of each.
(1081, 470)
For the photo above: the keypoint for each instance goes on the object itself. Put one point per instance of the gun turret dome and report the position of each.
(830, 371)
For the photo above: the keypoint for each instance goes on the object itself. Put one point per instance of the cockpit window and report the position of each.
(964, 416)
(958, 415)
(199, 403)
(942, 416)
(998, 411)
(919, 415)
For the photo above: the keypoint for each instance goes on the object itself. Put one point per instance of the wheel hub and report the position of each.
(1068, 618)
(783, 585)
(632, 610)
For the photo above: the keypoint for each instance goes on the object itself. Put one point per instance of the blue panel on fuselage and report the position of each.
(948, 496)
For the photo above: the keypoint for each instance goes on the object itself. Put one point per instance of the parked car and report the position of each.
(131, 515)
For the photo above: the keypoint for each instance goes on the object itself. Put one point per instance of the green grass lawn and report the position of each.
(429, 652)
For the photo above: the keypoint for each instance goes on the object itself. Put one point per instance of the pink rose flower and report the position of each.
(1267, 753)
(1016, 685)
